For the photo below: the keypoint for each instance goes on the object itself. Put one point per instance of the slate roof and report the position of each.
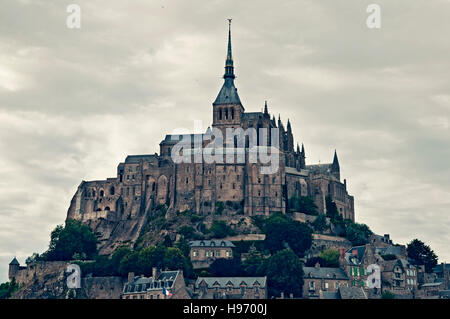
(253, 116)
(141, 284)
(325, 273)
(361, 250)
(223, 282)
(390, 250)
(175, 138)
(211, 243)
(438, 268)
(352, 293)
(294, 171)
(228, 94)
(14, 262)
(330, 295)
(134, 159)
(320, 168)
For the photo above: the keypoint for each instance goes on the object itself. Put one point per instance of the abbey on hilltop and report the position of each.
(144, 182)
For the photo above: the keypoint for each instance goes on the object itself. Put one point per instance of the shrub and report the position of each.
(219, 229)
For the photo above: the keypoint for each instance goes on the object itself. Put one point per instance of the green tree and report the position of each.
(320, 223)
(129, 263)
(7, 289)
(330, 257)
(74, 238)
(311, 262)
(422, 254)
(284, 274)
(253, 264)
(183, 245)
(187, 232)
(332, 210)
(147, 258)
(302, 204)
(281, 234)
(174, 259)
(226, 267)
(219, 229)
(358, 234)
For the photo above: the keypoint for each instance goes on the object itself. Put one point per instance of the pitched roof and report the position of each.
(325, 273)
(352, 293)
(320, 168)
(390, 250)
(141, 284)
(228, 94)
(211, 243)
(350, 256)
(330, 295)
(14, 262)
(175, 138)
(134, 159)
(223, 282)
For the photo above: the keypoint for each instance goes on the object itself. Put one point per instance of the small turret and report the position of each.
(335, 169)
(14, 267)
(266, 111)
(280, 124)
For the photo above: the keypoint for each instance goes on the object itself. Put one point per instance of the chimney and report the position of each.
(282, 295)
(155, 273)
(130, 276)
(291, 295)
(341, 253)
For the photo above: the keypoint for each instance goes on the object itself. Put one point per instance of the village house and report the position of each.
(319, 279)
(161, 285)
(231, 287)
(399, 277)
(204, 252)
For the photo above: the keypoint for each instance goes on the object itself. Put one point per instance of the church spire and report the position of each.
(266, 111)
(228, 93)
(229, 68)
(335, 164)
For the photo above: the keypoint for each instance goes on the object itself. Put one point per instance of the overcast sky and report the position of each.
(75, 102)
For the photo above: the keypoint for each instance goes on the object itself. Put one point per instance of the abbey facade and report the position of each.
(146, 181)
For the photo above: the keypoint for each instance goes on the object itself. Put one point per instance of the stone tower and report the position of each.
(14, 267)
